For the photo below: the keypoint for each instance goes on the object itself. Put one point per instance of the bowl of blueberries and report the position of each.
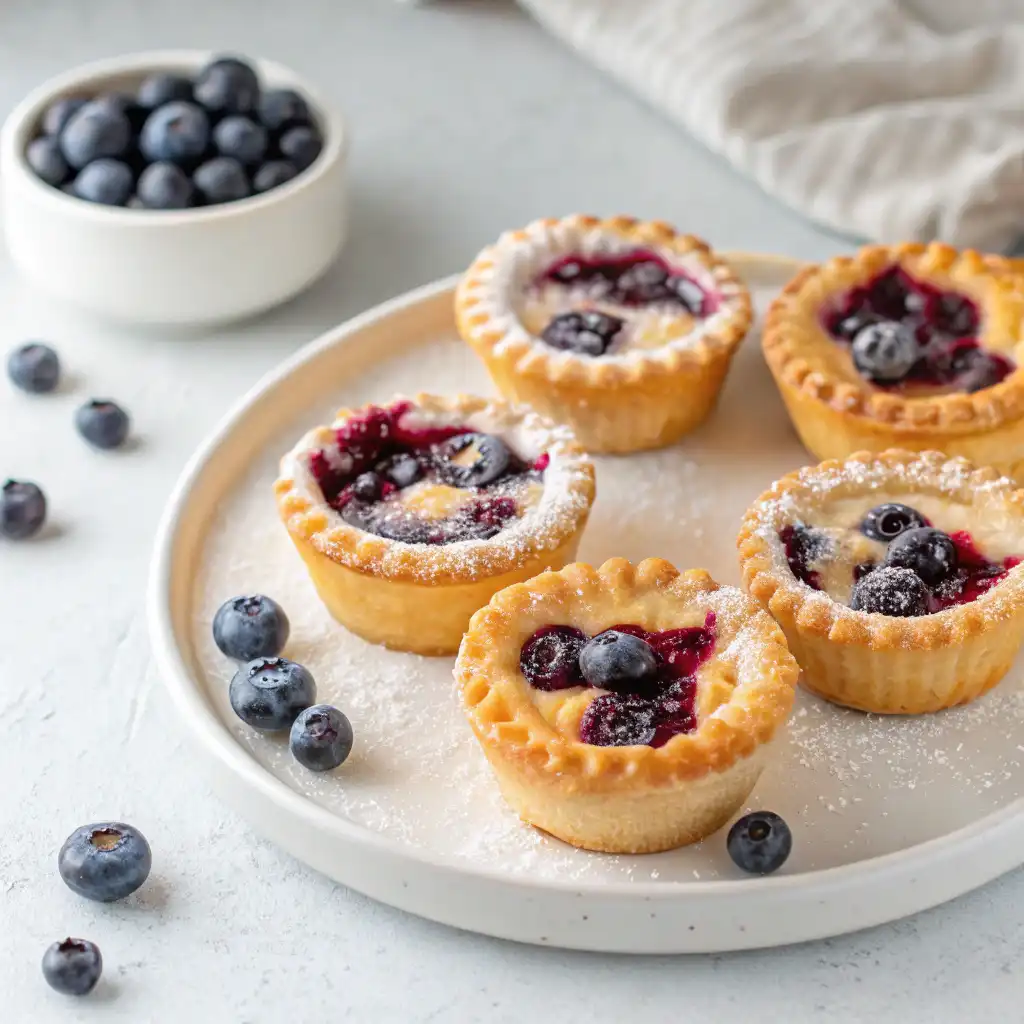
(175, 187)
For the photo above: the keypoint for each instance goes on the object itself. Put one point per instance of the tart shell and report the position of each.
(626, 799)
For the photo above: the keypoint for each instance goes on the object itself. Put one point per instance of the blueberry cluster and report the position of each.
(178, 142)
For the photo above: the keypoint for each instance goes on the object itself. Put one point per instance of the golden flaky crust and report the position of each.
(836, 411)
(875, 662)
(693, 783)
(616, 403)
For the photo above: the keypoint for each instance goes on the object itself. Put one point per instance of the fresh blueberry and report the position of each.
(34, 367)
(618, 661)
(367, 486)
(47, 161)
(269, 693)
(759, 843)
(241, 138)
(105, 862)
(104, 424)
(59, 113)
(165, 186)
(72, 967)
(403, 470)
(22, 509)
(281, 109)
(161, 88)
(106, 181)
(177, 131)
(550, 659)
(94, 131)
(253, 626)
(221, 180)
(899, 593)
(301, 146)
(926, 551)
(885, 352)
(272, 174)
(618, 720)
(124, 103)
(472, 460)
(847, 324)
(886, 522)
(227, 86)
(588, 333)
(321, 738)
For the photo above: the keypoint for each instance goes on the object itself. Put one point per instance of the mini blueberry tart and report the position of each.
(410, 516)
(895, 577)
(625, 709)
(622, 329)
(911, 346)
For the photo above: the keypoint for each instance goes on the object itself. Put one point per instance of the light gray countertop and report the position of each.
(466, 120)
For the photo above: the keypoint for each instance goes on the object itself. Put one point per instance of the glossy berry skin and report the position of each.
(227, 85)
(106, 181)
(161, 88)
(165, 186)
(59, 113)
(926, 551)
(402, 470)
(105, 862)
(34, 367)
(22, 509)
(72, 967)
(886, 522)
(550, 659)
(321, 738)
(759, 843)
(618, 661)
(251, 626)
(94, 131)
(273, 173)
(898, 593)
(281, 109)
(301, 146)
(102, 423)
(47, 161)
(488, 464)
(885, 352)
(241, 138)
(618, 720)
(221, 180)
(178, 132)
(588, 333)
(269, 693)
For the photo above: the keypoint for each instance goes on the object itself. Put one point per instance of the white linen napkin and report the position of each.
(887, 119)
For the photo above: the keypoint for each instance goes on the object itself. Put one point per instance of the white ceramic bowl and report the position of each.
(177, 267)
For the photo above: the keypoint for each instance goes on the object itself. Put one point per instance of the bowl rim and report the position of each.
(15, 136)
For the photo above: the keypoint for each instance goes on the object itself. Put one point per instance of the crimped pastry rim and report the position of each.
(308, 517)
(512, 346)
(791, 330)
(504, 717)
(815, 613)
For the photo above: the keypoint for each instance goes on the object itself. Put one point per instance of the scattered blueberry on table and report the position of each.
(104, 424)
(72, 967)
(321, 738)
(270, 693)
(251, 626)
(34, 367)
(760, 842)
(224, 137)
(22, 509)
(105, 862)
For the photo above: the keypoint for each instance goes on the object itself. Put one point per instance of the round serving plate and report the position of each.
(890, 815)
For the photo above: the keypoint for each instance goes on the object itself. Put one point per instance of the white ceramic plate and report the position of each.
(890, 815)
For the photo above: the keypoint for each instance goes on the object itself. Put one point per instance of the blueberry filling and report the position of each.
(651, 676)
(589, 332)
(906, 333)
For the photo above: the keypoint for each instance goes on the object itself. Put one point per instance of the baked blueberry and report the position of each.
(165, 186)
(269, 693)
(886, 522)
(686, 292)
(893, 591)
(104, 424)
(643, 282)
(402, 470)
(227, 85)
(759, 843)
(47, 161)
(273, 173)
(618, 720)
(587, 333)
(321, 738)
(976, 370)
(281, 109)
(59, 113)
(72, 967)
(178, 131)
(472, 460)
(105, 862)
(241, 138)
(301, 146)
(550, 659)
(618, 661)
(926, 551)
(34, 367)
(251, 626)
(368, 486)
(221, 180)
(885, 352)
(106, 181)
(94, 131)
(22, 509)
(161, 88)
(954, 315)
